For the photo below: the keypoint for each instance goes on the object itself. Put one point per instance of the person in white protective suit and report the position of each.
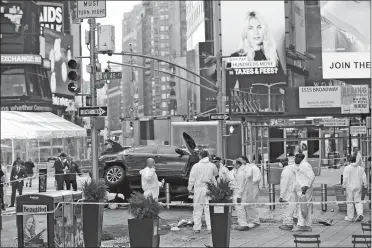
(248, 180)
(201, 172)
(149, 180)
(288, 193)
(231, 176)
(304, 188)
(222, 169)
(359, 157)
(354, 181)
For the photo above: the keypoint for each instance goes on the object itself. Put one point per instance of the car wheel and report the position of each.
(114, 176)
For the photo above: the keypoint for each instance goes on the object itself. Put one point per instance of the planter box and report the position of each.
(92, 224)
(144, 233)
(340, 197)
(221, 224)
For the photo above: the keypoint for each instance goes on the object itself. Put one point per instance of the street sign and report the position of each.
(131, 109)
(72, 87)
(355, 130)
(219, 117)
(111, 75)
(92, 111)
(91, 9)
(344, 122)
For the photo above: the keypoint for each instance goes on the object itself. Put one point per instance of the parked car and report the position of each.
(121, 169)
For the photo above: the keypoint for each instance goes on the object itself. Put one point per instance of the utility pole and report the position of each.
(93, 92)
(221, 108)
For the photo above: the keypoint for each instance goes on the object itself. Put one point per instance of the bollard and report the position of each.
(342, 179)
(272, 195)
(167, 195)
(43, 180)
(323, 196)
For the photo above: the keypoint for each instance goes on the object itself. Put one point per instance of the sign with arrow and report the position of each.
(92, 111)
(111, 75)
(72, 87)
(219, 117)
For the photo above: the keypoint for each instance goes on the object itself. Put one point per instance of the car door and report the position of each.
(169, 163)
(135, 158)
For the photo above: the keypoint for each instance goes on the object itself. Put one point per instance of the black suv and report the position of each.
(120, 167)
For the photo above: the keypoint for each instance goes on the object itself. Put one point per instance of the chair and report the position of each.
(361, 239)
(366, 227)
(310, 239)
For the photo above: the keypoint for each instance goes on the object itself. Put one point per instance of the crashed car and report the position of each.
(120, 167)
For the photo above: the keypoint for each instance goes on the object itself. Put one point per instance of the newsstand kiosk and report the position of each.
(62, 227)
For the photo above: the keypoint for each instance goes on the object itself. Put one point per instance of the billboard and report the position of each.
(355, 99)
(299, 15)
(320, 97)
(253, 35)
(58, 49)
(51, 15)
(346, 39)
(207, 69)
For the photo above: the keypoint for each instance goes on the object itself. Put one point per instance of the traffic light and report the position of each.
(73, 75)
(233, 129)
(131, 126)
(149, 67)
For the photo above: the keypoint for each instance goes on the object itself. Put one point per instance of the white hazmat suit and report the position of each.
(243, 175)
(253, 194)
(305, 177)
(233, 183)
(354, 180)
(201, 172)
(150, 183)
(288, 192)
(223, 172)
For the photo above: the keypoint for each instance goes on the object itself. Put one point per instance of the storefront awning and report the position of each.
(31, 125)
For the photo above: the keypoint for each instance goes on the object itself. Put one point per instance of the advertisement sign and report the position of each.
(207, 69)
(344, 122)
(35, 226)
(346, 39)
(26, 107)
(253, 35)
(356, 130)
(299, 16)
(355, 99)
(51, 15)
(58, 49)
(320, 97)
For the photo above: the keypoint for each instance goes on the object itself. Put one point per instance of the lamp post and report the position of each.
(269, 90)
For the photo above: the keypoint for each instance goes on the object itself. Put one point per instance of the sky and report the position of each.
(114, 16)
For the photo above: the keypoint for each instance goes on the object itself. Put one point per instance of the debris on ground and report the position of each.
(325, 222)
(175, 228)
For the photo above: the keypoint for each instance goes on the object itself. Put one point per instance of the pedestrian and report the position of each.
(60, 170)
(355, 180)
(70, 178)
(359, 157)
(149, 180)
(304, 188)
(288, 192)
(30, 172)
(244, 174)
(2, 186)
(17, 177)
(232, 178)
(222, 169)
(202, 172)
(18, 160)
(253, 185)
(5, 183)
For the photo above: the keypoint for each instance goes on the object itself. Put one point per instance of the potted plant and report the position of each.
(220, 192)
(93, 192)
(143, 228)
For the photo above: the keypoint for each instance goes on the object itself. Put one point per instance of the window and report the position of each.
(144, 149)
(13, 82)
(163, 87)
(167, 150)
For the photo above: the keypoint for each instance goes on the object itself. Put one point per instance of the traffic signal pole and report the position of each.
(93, 92)
(221, 108)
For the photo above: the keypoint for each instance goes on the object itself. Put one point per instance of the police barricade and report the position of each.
(43, 222)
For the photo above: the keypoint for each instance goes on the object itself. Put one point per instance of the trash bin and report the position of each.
(38, 229)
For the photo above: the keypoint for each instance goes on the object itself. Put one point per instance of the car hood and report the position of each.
(190, 142)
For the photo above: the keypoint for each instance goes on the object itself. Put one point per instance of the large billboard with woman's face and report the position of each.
(346, 42)
(253, 35)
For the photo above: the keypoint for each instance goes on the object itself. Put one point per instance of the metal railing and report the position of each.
(245, 101)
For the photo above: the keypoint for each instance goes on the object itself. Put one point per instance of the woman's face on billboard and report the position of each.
(255, 32)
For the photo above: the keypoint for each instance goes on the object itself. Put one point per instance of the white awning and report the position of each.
(36, 125)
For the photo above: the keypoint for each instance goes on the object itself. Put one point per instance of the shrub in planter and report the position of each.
(143, 228)
(220, 192)
(93, 192)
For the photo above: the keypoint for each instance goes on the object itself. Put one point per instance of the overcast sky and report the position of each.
(114, 16)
